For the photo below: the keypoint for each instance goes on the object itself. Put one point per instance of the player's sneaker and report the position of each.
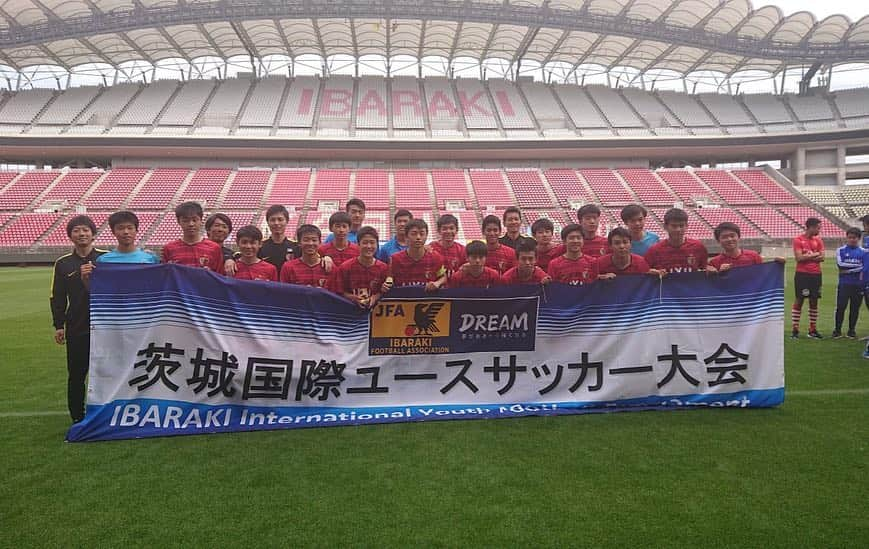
(814, 335)
(836, 334)
(852, 334)
(795, 334)
(866, 353)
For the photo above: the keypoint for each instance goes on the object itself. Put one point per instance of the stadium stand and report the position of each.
(290, 188)
(529, 189)
(206, 186)
(262, 108)
(607, 185)
(451, 186)
(411, 189)
(567, 186)
(115, 188)
(374, 186)
(24, 190)
(490, 189)
(147, 105)
(159, 190)
(650, 190)
(247, 189)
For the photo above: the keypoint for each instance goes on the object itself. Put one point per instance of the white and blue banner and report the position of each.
(177, 351)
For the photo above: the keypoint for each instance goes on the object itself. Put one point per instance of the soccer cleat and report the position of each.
(836, 334)
(815, 335)
(852, 334)
(866, 353)
(795, 334)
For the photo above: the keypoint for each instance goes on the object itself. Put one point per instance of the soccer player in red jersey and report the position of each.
(453, 253)
(307, 270)
(500, 257)
(543, 229)
(362, 278)
(809, 253)
(417, 266)
(677, 254)
(574, 267)
(526, 271)
(621, 261)
(340, 249)
(249, 266)
(475, 274)
(192, 249)
(593, 245)
(727, 234)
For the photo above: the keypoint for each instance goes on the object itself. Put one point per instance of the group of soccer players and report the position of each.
(353, 263)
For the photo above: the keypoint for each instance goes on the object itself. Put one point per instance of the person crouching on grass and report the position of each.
(475, 274)
(417, 266)
(249, 266)
(526, 271)
(361, 279)
(621, 261)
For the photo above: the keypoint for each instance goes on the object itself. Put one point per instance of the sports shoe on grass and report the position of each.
(795, 334)
(852, 335)
(815, 335)
(836, 334)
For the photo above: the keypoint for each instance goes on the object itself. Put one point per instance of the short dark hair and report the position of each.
(542, 224)
(446, 219)
(338, 218)
(618, 231)
(676, 215)
(402, 213)
(588, 209)
(526, 245)
(307, 228)
(633, 210)
(726, 226)
(277, 209)
(854, 231)
(416, 224)
(249, 231)
(490, 219)
(865, 218)
(477, 248)
(123, 216)
(367, 231)
(571, 228)
(354, 202)
(214, 217)
(813, 222)
(511, 209)
(188, 209)
(80, 220)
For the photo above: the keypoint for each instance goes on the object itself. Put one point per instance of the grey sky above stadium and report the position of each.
(546, 39)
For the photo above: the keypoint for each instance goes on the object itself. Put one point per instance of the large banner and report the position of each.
(177, 350)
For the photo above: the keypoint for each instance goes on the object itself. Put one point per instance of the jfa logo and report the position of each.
(411, 319)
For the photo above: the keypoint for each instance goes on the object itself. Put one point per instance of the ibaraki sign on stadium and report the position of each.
(424, 326)
(177, 350)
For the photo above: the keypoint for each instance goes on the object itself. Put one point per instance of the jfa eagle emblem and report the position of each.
(424, 316)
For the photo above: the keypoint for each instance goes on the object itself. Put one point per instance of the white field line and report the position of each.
(817, 392)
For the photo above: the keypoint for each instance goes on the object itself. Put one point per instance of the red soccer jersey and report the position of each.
(691, 256)
(299, 272)
(806, 244)
(454, 256)
(489, 278)
(339, 256)
(352, 277)
(543, 258)
(205, 254)
(575, 272)
(744, 259)
(261, 270)
(596, 247)
(502, 258)
(511, 277)
(407, 271)
(638, 265)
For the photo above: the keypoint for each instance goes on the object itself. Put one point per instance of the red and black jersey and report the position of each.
(407, 271)
(808, 244)
(205, 254)
(352, 277)
(489, 278)
(261, 270)
(575, 272)
(691, 256)
(511, 277)
(745, 258)
(637, 265)
(339, 256)
(299, 272)
(545, 256)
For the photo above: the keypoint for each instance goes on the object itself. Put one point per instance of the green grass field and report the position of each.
(794, 476)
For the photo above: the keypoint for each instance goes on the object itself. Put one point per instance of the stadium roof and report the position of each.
(679, 35)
